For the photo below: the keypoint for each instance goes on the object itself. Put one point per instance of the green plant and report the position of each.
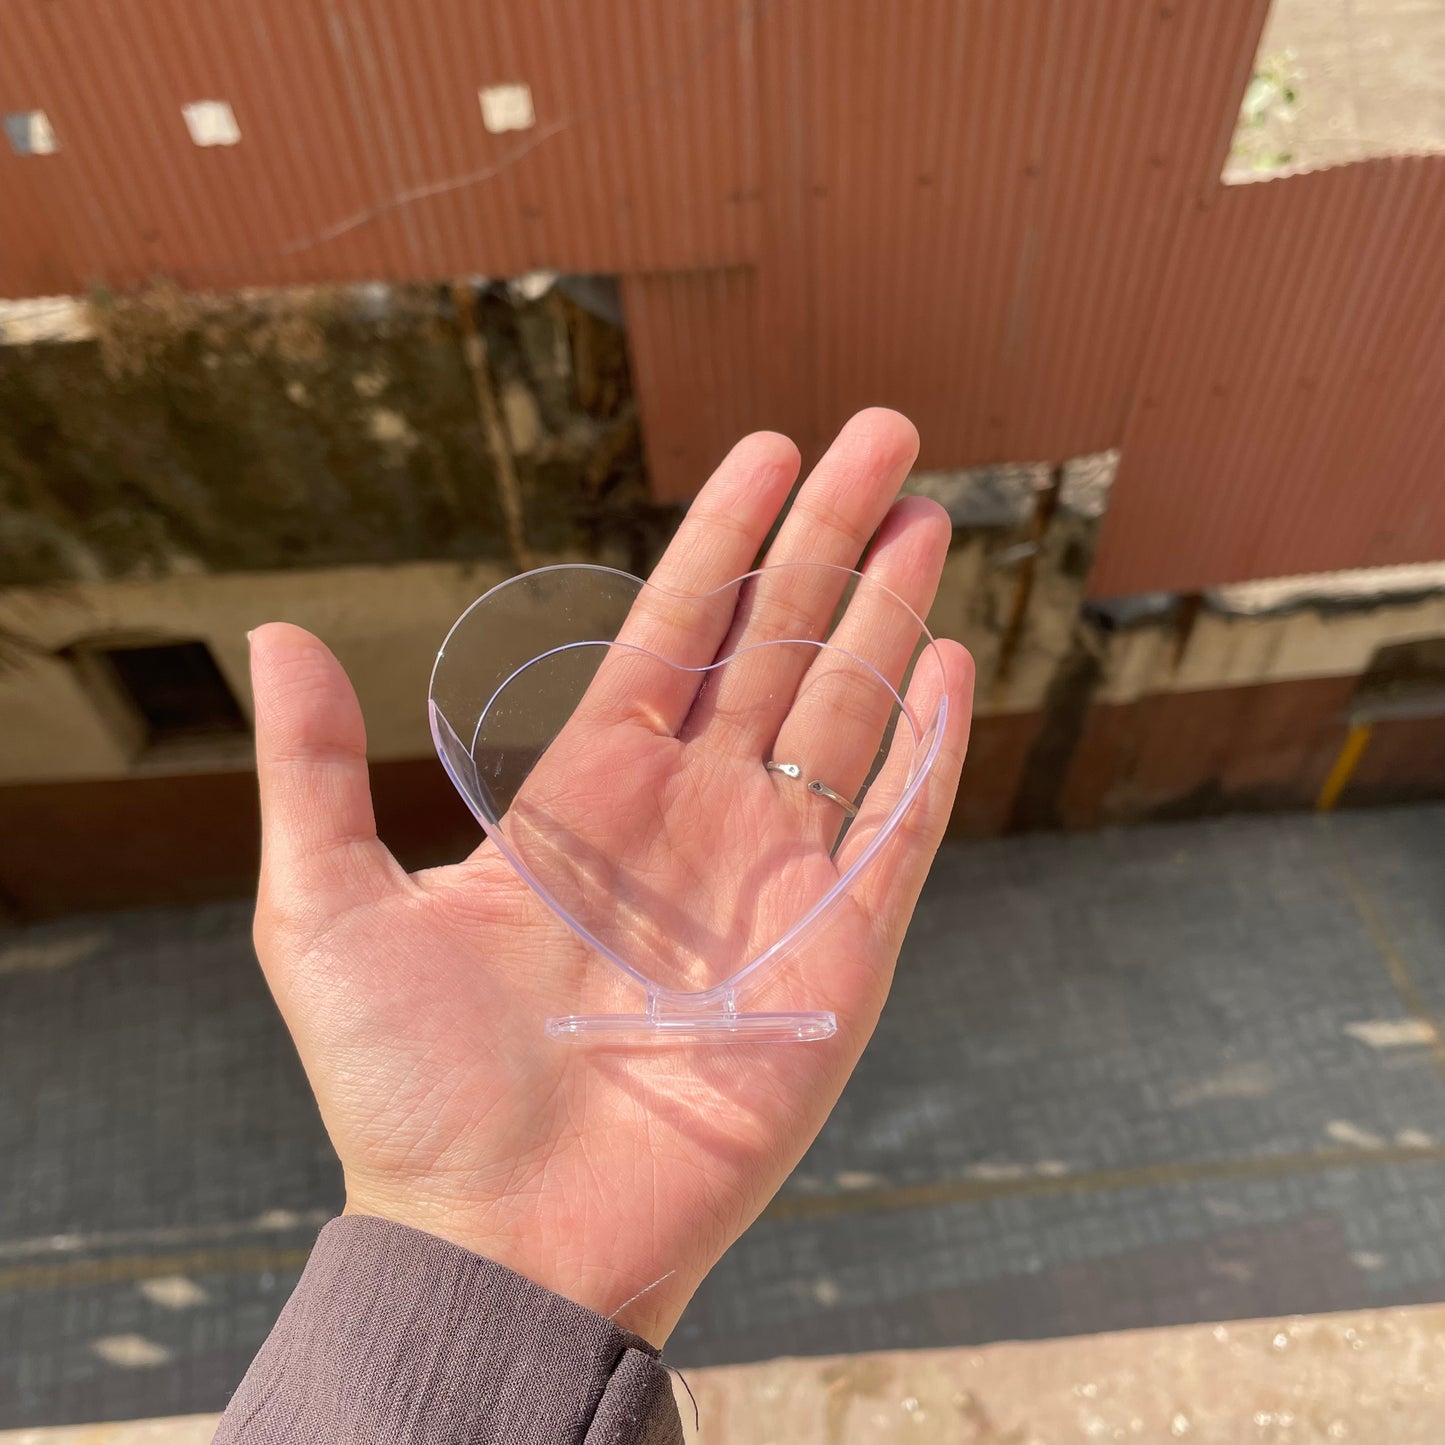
(1266, 116)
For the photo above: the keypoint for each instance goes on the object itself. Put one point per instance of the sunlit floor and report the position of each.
(1169, 1074)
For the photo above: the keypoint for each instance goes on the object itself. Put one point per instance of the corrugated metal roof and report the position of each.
(1292, 409)
(993, 210)
(967, 213)
(697, 402)
(363, 151)
(966, 210)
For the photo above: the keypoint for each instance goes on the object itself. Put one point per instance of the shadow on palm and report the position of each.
(682, 859)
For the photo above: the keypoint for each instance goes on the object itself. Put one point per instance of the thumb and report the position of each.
(317, 823)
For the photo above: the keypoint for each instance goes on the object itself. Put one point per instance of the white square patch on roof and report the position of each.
(507, 107)
(211, 122)
(30, 133)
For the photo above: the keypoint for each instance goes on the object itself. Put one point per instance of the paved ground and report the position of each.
(1127, 1079)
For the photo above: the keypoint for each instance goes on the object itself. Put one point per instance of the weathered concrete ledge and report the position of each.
(1371, 1376)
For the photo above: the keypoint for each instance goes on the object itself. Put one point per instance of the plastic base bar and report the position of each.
(716, 1028)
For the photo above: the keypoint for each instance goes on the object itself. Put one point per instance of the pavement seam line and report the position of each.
(1403, 980)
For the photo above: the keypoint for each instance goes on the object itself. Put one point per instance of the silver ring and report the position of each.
(824, 791)
(817, 786)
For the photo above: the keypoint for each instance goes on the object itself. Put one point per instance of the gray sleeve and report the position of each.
(399, 1338)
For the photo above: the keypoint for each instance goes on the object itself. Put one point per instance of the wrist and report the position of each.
(646, 1307)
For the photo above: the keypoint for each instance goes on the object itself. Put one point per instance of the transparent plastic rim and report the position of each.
(927, 735)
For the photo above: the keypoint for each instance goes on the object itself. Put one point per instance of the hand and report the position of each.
(417, 1002)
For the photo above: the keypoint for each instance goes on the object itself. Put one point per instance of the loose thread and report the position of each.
(647, 1288)
(696, 1413)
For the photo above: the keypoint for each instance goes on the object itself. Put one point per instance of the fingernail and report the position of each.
(250, 635)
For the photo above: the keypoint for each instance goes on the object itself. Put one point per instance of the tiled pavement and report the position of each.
(1133, 1078)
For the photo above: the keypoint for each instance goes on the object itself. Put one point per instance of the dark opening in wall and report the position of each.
(1405, 679)
(172, 692)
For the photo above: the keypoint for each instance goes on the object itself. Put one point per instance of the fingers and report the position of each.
(730, 517)
(837, 510)
(848, 492)
(850, 975)
(718, 540)
(888, 888)
(317, 824)
(842, 708)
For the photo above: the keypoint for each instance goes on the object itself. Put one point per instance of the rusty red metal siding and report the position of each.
(1187, 754)
(966, 213)
(990, 195)
(696, 405)
(1003, 218)
(1291, 416)
(192, 836)
(363, 151)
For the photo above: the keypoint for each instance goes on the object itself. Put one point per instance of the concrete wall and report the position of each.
(182, 470)
(1088, 728)
(167, 433)
(384, 623)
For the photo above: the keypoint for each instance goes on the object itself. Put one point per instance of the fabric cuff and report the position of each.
(398, 1336)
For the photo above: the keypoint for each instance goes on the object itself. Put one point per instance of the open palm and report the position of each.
(615, 1177)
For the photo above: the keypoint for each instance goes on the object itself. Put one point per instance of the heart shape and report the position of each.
(690, 782)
